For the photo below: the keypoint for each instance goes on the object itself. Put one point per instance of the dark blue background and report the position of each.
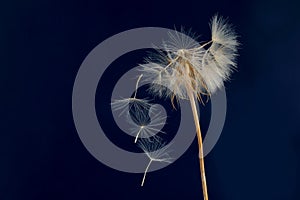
(42, 46)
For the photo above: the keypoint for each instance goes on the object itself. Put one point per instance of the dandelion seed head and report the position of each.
(188, 66)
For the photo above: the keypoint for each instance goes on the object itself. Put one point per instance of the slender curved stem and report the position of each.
(200, 145)
(146, 172)
(137, 135)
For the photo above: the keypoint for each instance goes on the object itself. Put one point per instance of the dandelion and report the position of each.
(156, 152)
(191, 70)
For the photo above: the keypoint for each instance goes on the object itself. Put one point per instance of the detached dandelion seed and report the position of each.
(191, 70)
(132, 103)
(146, 126)
(156, 152)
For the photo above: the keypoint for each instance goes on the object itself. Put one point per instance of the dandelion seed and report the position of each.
(156, 152)
(145, 126)
(126, 104)
(223, 33)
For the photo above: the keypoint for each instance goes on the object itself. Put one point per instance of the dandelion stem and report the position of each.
(200, 145)
(146, 171)
(136, 85)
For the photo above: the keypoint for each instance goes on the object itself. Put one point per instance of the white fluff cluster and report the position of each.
(185, 66)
